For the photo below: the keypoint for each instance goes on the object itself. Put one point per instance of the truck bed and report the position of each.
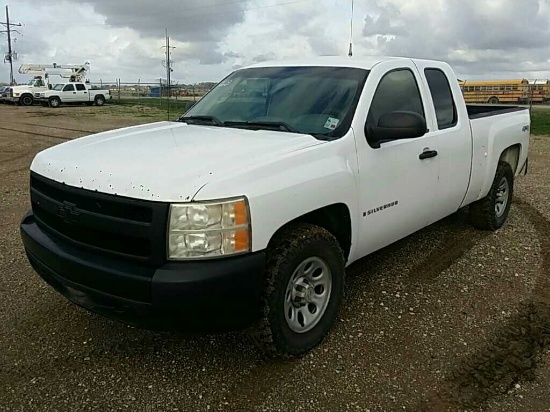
(476, 111)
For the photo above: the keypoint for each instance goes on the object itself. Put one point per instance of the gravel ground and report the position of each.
(449, 318)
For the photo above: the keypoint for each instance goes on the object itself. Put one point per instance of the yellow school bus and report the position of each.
(540, 90)
(496, 91)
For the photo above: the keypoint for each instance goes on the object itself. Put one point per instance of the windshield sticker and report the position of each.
(332, 123)
(226, 83)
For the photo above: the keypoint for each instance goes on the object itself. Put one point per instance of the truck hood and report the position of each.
(22, 88)
(163, 161)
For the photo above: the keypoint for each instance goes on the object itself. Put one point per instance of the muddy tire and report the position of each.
(99, 100)
(54, 102)
(26, 100)
(303, 292)
(491, 212)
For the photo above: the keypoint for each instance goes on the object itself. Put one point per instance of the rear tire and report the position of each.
(491, 212)
(99, 100)
(493, 100)
(303, 293)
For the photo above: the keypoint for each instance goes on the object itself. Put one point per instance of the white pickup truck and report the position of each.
(247, 209)
(72, 93)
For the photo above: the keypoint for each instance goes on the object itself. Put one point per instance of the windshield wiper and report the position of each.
(282, 126)
(200, 119)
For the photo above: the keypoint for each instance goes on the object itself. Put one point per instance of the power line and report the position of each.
(10, 55)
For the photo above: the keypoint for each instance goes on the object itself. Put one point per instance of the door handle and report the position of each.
(74, 92)
(427, 154)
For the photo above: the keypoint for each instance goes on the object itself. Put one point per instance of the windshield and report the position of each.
(58, 87)
(315, 100)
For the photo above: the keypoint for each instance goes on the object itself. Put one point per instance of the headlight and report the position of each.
(203, 230)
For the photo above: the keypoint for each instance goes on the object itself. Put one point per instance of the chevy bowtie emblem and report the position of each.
(69, 213)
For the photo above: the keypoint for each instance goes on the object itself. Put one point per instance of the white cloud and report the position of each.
(123, 38)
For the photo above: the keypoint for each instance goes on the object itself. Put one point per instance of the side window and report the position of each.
(80, 87)
(397, 91)
(445, 108)
(68, 88)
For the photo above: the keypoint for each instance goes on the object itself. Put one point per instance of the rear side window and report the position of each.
(80, 87)
(445, 108)
(397, 91)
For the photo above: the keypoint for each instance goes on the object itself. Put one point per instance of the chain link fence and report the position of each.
(179, 97)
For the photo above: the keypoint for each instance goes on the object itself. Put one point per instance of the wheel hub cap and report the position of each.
(503, 194)
(307, 294)
(302, 292)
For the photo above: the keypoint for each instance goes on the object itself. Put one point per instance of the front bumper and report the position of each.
(210, 295)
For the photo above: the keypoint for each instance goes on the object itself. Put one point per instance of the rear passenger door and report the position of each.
(81, 93)
(454, 137)
(68, 94)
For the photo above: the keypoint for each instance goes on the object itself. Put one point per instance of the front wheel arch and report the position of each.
(335, 218)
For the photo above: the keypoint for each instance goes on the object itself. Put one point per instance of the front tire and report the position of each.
(491, 212)
(26, 100)
(304, 291)
(54, 102)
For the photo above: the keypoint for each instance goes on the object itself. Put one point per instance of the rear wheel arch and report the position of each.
(511, 155)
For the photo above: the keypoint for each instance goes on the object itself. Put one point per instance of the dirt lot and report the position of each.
(448, 319)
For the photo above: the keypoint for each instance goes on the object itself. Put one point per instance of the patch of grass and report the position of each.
(153, 108)
(163, 104)
(540, 121)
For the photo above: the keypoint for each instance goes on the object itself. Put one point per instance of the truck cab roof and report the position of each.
(366, 63)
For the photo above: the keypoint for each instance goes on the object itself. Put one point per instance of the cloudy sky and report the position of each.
(123, 38)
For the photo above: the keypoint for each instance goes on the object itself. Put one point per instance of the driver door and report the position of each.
(398, 178)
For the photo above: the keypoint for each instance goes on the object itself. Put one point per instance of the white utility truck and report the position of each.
(72, 93)
(247, 209)
(41, 82)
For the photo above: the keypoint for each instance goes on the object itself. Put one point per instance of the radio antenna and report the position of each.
(350, 53)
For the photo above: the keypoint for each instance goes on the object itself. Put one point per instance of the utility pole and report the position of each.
(168, 63)
(10, 56)
(350, 52)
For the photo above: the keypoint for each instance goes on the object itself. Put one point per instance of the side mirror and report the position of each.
(394, 126)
